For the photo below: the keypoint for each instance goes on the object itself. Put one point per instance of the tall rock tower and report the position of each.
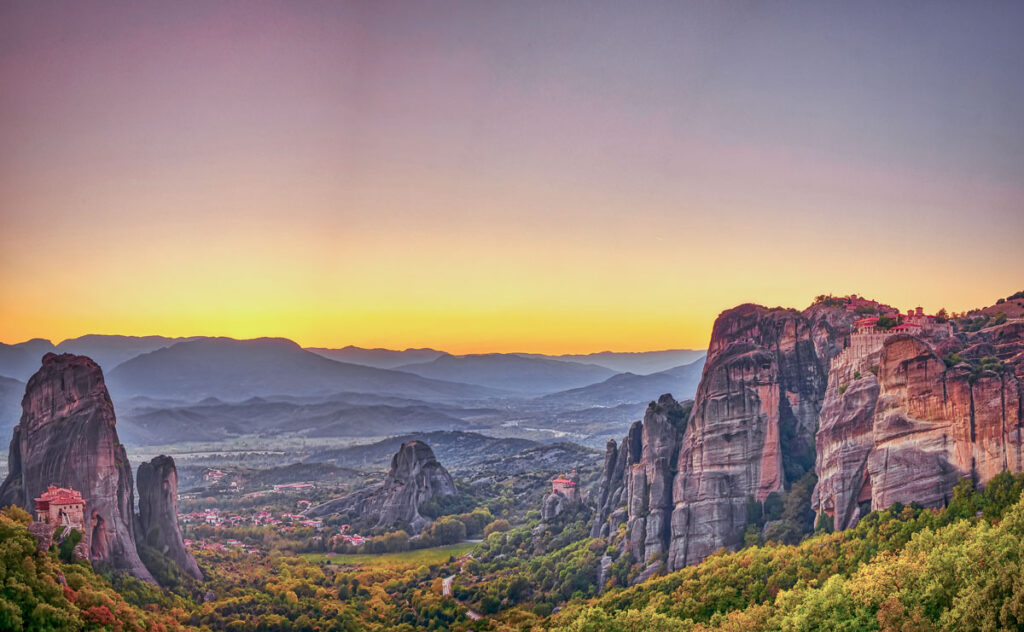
(67, 438)
(158, 513)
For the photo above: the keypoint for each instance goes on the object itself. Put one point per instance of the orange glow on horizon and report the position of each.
(474, 180)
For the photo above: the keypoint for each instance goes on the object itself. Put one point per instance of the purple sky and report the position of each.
(497, 173)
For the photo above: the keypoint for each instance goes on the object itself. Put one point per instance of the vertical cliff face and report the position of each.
(682, 478)
(158, 513)
(611, 493)
(636, 488)
(67, 437)
(901, 426)
(753, 423)
(879, 416)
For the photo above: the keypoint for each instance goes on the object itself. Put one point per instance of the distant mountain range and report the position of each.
(21, 360)
(627, 388)
(379, 358)
(639, 362)
(511, 372)
(218, 421)
(216, 389)
(225, 367)
(239, 369)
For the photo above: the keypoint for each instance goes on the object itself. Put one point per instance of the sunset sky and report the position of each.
(507, 176)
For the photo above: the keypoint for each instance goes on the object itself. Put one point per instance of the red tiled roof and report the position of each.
(563, 480)
(60, 496)
(864, 321)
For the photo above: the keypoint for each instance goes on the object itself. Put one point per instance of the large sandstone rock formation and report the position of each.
(900, 426)
(753, 423)
(880, 418)
(158, 513)
(682, 478)
(414, 478)
(637, 484)
(67, 438)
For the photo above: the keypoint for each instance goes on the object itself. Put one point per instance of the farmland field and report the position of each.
(436, 555)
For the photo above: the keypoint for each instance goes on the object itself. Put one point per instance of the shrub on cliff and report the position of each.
(66, 548)
(830, 301)
(886, 322)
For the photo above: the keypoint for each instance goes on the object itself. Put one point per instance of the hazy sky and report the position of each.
(551, 176)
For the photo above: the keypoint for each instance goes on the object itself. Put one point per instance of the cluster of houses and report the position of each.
(220, 479)
(914, 321)
(345, 537)
(213, 476)
(216, 518)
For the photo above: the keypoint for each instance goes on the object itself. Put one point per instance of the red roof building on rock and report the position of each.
(563, 486)
(61, 506)
(865, 324)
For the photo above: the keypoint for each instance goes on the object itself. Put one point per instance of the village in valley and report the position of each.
(213, 527)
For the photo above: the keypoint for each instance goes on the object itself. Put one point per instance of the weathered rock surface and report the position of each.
(553, 506)
(414, 478)
(901, 426)
(879, 419)
(67, 437)
(637, 484)
(682, 478)
(753, 423)
(158, 513)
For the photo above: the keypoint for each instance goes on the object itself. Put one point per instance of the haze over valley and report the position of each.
(220, 394)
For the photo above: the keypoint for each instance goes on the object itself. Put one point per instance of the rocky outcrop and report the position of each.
(158, 513)
(682, 479)
(414, 478)
(564, 498)
(67, 437)
(901, 426)
(555, 505)
(636, 488)
(878, 415)
(611, 493)
(753, 423)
